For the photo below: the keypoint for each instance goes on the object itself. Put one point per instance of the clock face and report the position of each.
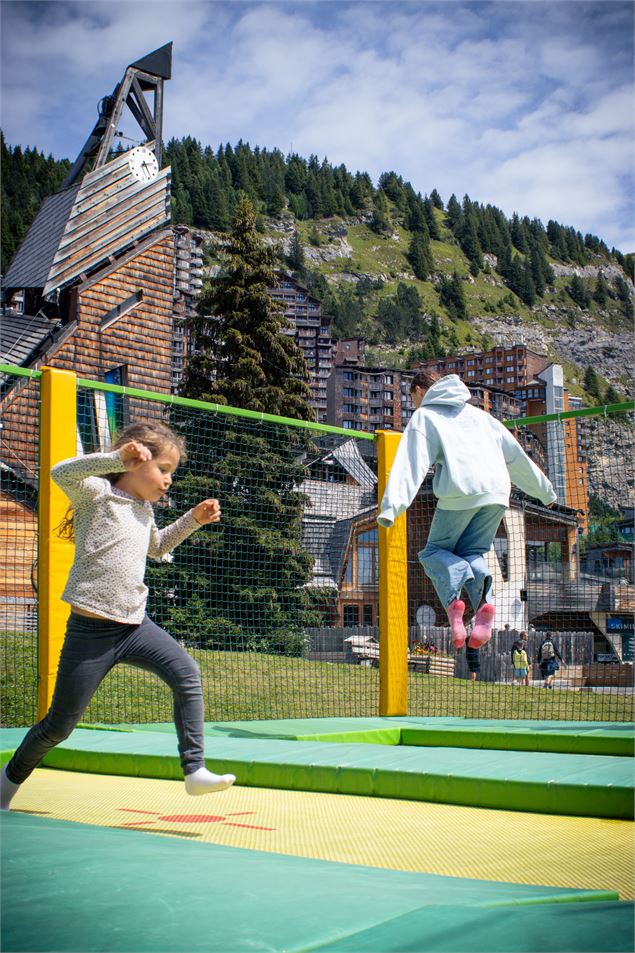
(143, 164)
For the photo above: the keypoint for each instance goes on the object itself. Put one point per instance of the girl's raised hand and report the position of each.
(133, 454)
(208, 511)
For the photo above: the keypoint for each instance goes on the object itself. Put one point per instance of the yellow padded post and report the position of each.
(58, 441)
(393, 594)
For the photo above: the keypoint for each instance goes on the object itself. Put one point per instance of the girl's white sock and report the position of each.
(7, 790)
(203, 781)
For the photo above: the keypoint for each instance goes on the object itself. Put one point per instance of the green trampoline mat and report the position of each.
(71, 887)
(574, 784)
(567, 737)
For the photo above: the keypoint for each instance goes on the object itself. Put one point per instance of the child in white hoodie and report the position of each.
(474, 456)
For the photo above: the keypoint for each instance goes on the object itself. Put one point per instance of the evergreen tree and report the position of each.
(241, 357)
(296, 253)
(244, 582)
(436, 199)
(578, 292)
(601, 292)
(381, 221)
(400, 314)
(452, 297)
(454, 214)
(591, 383)
(537, 271)
(611, 396)
(420, 255)
(625, 297)
(467, 233)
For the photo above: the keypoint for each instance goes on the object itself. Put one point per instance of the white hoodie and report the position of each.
(475, 456)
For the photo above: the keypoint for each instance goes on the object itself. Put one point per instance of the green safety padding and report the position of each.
(557, 928)
(573, 784)
(74, 887)
(523, 739)
(511, 735)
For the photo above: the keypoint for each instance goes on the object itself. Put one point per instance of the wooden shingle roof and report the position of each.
(32, 262)
(79, 229)
(23, 335)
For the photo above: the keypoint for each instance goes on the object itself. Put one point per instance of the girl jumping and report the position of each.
(114, 530)
(474, 456)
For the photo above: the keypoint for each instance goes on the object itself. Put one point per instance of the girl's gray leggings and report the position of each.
(91, 648)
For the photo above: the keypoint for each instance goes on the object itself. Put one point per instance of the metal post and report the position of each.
(58, 441)
(393, 594)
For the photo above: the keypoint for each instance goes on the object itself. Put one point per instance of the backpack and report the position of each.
(547, 650)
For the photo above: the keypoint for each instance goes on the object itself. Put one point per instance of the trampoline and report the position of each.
(378, 836)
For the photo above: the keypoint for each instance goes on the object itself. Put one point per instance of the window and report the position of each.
(367, 560)
(388, 395)
(351, 615)
(388, 379)
(367, 615)
(87, 420)
(501, 548)
(115, 409)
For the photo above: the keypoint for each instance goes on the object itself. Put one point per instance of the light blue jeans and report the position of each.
(454, 556)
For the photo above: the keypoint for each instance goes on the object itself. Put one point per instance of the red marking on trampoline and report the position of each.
(194, 819)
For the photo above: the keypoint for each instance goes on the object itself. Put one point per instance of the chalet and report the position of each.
(101, 286)
(102, 282)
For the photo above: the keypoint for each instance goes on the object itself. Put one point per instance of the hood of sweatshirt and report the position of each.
(449, 391)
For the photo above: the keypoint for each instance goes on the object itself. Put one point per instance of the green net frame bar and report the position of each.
(599, 410)
(330, 669)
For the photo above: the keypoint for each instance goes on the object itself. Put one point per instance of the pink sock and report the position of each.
(482, 630)
(455, 616)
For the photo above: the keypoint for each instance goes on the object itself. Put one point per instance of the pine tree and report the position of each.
(601, 292)
(296, 253)
(625, 297)
(578, 292)
(241, 357)
(431, 219)
(381, 222)
(591, 383)
(454, 214)
(452, 297)
(420, 256)
(242, 584)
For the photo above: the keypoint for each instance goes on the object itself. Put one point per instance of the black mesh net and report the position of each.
(279, 603)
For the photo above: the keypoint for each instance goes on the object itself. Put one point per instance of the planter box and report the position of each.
(431, 665)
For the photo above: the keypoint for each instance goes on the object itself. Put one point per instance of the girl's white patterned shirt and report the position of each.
(114, 535)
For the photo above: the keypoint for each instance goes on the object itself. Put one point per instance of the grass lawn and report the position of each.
(250, 686)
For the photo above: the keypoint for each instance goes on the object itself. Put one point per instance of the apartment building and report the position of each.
(349, 351)
(501, 367)
(368, 398)
(311, 331)
(538, 387)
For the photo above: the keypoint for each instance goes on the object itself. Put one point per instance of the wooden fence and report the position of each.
(346, 645)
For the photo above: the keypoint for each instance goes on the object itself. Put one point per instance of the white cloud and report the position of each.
(524, 105)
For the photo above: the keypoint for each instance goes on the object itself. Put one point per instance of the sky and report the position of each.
(524, 104)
